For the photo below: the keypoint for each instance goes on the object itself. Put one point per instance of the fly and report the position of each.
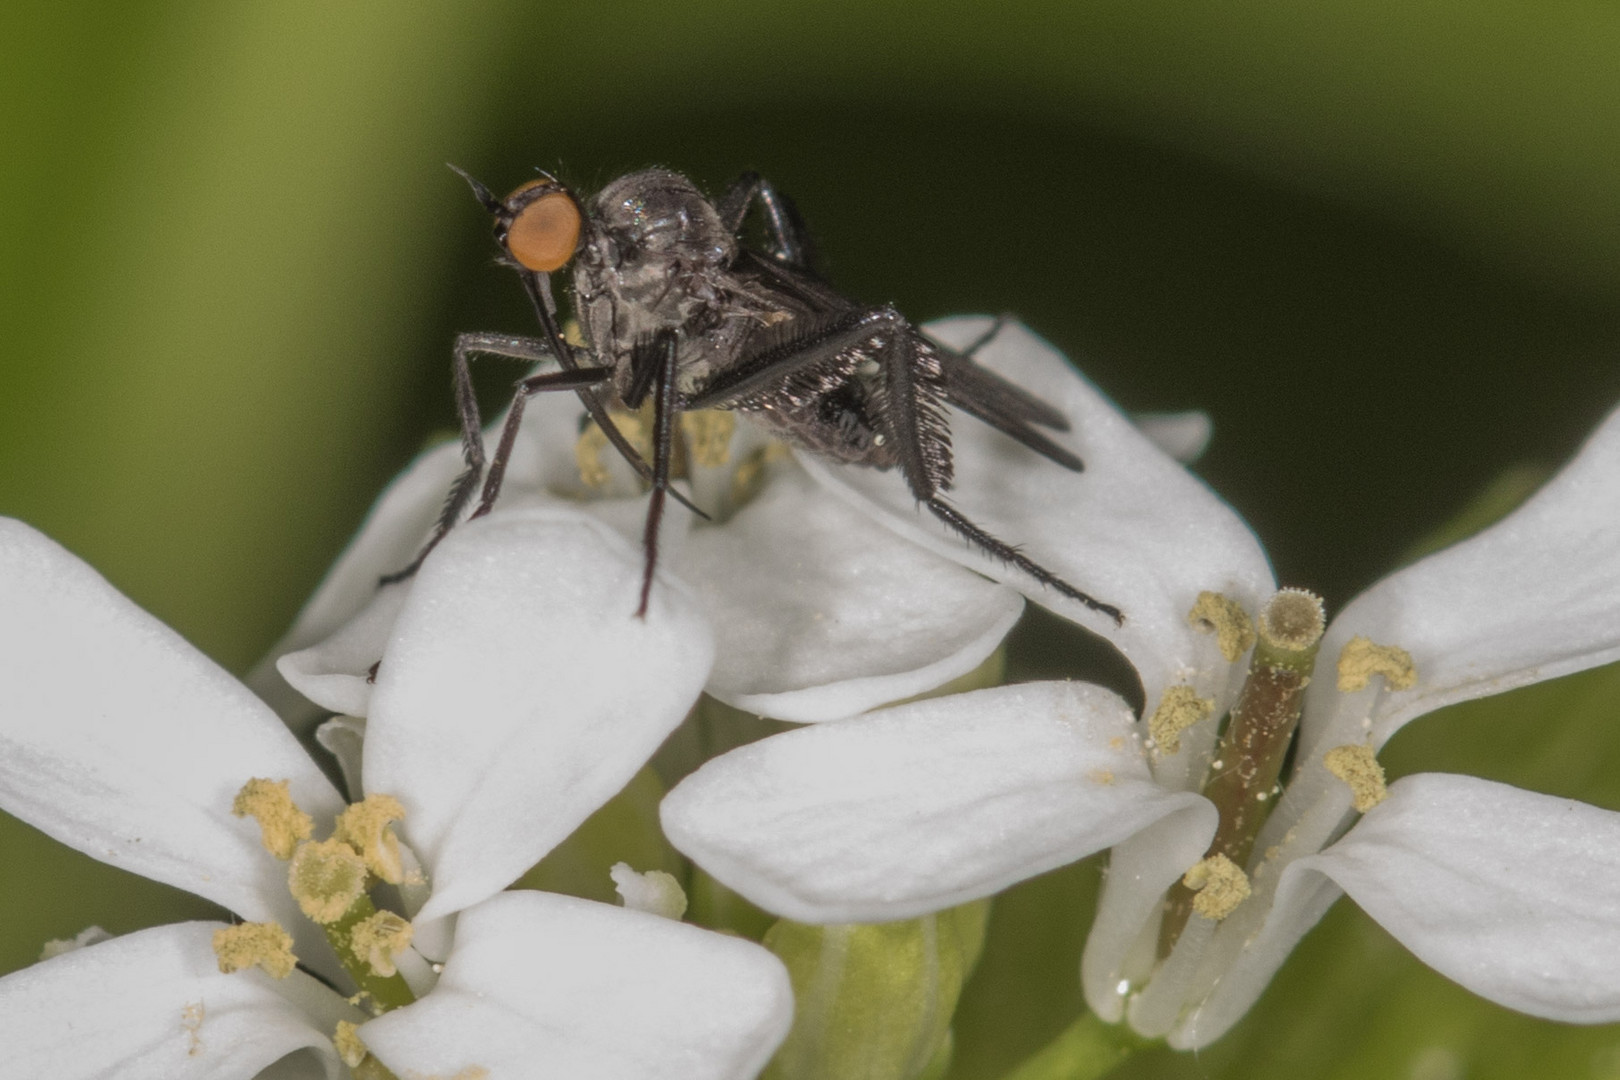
(675, 307)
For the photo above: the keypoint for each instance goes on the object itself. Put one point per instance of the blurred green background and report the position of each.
(1379, 242)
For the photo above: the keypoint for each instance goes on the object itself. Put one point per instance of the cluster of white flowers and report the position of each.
(506, 692)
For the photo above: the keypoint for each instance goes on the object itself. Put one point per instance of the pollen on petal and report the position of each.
(380, 937)
(1226, 619)
(265, 945)
(1179, 709)
(364, 826)
(708, 435)
(346, 1039)
(90, 935)
(1358, 767)
(1220, 886)
(654, 892)
(281, 824)
(1362, 659)
(326, 878)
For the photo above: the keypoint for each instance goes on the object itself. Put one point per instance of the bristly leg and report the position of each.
(1009, 554)
(467, 347)
(665, 408)
(909, 426)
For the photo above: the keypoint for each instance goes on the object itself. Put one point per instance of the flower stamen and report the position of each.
(1226, 619)
(380, 937)
(264, 945)
(282, 826)
(1179, 709)
(1362, 658)
(364, 826)
(1219, 886)
(1358, 767)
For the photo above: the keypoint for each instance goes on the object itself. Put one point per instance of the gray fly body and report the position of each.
(674, 306)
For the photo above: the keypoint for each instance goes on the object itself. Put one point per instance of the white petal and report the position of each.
(153, 1004)
(925, 805)
(1134, 529)
(399, 523)
(1531, 598)
(821, 613)
(336, 673)
(1236, 984)
(1513, 894)
(547, 985)
(520, 692)
(121, 740)
(1183, 435)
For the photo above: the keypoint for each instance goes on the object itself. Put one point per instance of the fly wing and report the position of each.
(1007, 408)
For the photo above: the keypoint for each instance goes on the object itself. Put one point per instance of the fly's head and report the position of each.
(655, 257)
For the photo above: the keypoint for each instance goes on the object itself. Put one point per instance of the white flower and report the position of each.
(1512, 894)
(513, 699)
(819, 612)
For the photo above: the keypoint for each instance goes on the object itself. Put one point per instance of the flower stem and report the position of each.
(1085, 1050)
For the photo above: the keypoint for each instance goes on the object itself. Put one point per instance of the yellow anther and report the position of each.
(326, 878)
(281, 824)
(1220, 885)
(1362, 659)
(263, 945)
(1358, 767)
(708, 436)
(1226, 619)
(379, 938)
(350, 1049)
(1179, 709)
(365, 827)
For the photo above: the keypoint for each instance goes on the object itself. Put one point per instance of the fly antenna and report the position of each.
(482, 193)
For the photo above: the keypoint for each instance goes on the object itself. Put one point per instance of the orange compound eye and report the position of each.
(544, 232)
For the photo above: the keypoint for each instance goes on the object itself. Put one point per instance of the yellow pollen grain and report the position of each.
(191, 1021)
(573, 334)
(351, 1049)
(708, 436)
(326, 878)
(1221, 886)
(1226, 619)
(1179, 709)
(265, 945)
(379, 938)
(1358, 767)
(281, 824)
(365, 828)
(1362, 659)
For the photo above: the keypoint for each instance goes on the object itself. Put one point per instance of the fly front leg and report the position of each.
(467, 348)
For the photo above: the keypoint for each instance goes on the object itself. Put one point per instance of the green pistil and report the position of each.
(1243, 776)
(384, 991)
